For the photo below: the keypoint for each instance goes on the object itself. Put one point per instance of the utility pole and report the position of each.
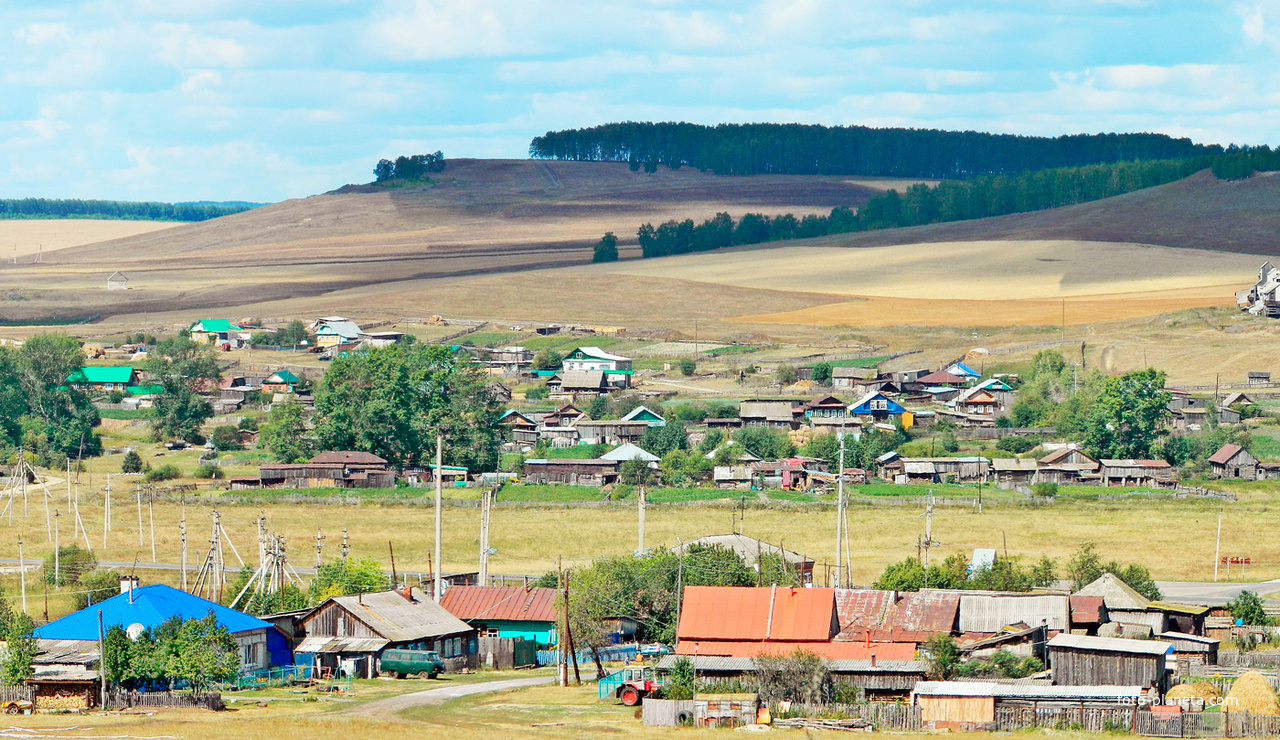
(573, 650)
(640, 501)
(151, 514)
(439, 586)
(680, 578)
(840, 515)
(57, 570)
(346, 548)
(1217, 548)
(22, 573)
(138, 491)
(319, 546)
(102, 660)
(182, 527)
(486, 504)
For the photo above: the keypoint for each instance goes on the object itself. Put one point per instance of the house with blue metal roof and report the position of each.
(877, 406)
(261, 644)
(962, 370)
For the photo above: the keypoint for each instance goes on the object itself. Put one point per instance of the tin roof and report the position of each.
(102, 374)
(773, 613)
(340, 645)
(347, 457)
(941, 376)
(1223, 455)
(396, 619)
(1109, 644)
(728, 664)
(982, 611)
(828, 650)
(598, 354)
(888, 616)
(629, 451)
(1132, 463)
(511, 603)
(150, 606)
(1025, 691)
(1115, 593)
(1086, 609)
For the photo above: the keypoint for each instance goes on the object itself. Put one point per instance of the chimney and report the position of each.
(127, 585)
(873, 660)
(407, 593)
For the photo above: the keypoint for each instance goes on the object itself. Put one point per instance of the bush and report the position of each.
(72, 564)
(1045, 490)
(607, 249)
(248, 423)
(131, 463)
(536, 393)
(164, 472)
(210, 471)
(822, 373)
(687, 366)
(1016, 445)
(96, 587)
(115, 397)
(787, 374)
(225, 438)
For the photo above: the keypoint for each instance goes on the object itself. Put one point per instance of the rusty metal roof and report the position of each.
(782, 614)
(889, 616)
(1086, 609)
(1224, 455)
(397, 619)
(509, 603)
(348, 457)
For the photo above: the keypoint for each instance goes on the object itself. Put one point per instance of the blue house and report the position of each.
(261, 644)
(876, 405)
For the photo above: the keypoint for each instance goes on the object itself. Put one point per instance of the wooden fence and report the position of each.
(1256, 659)
(882, 716)
(1002, 432)
(506, 653)
(665, 712)
(17, 693)
(1089, 719)
(128, 699)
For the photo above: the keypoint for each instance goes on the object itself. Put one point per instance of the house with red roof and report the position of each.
(1233, 461)
(506, 611)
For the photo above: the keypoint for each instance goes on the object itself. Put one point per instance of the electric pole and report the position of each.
(439, 585)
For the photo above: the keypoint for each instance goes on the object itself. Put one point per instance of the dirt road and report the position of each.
(386, 708)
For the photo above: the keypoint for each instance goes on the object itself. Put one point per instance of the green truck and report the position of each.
(405, 663)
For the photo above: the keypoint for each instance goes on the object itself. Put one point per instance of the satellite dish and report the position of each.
(134, 631)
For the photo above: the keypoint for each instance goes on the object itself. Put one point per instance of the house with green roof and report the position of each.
(103, 379)
(280, 382)
(213, 331)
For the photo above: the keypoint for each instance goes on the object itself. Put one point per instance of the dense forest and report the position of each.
(951, 200)
(17, 208)
(415, 167)
(796, 149)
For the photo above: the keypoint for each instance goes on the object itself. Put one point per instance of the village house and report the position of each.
(1237, 398)
(877, 407)
(259, 643)
(847, 377)
(281, 381)
(1067, 466)
(777, 413)
(979, 401)
(1013, 471)
(103, 379)
(1136, 472)
(380, 338)
(933, 469)
(939, 378)
(1126, 607)
(344, 469)
(562, 417)
(117, 281)
(1233, 461)
(573, 472)
(506, 611)
(610, 431)
(348, 634)
(1258, 377)
(571, 383)
(523, 430)
(825, 407)
(216, 331)
(629, 451)
(334, 330)
(648, 416)
(617, 369)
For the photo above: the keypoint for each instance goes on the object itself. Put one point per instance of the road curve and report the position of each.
(387, 708)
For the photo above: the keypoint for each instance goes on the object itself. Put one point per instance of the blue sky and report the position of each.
(252, 100)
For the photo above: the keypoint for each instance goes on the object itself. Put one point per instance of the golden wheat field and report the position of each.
(24, 238)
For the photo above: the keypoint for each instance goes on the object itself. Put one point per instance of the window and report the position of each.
(491, 632)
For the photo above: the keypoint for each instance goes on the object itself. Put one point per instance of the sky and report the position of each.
(178, 100)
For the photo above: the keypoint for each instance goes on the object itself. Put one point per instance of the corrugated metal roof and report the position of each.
(1013, 463)
(150, 606)
(340, 645)
(719, 663)
(991, 612)
(348, 457)
(511, 603)
(1024, 691)
(886, 616)
(1222, 456)
(829, 650)
(784, 614)
(1109, 644)
(1086, 609)
(629, 451)
(397, 619)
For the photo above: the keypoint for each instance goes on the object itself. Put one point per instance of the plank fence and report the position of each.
(1089, 719)
(665, 712)
(1255, 659)
(130, 699)
(17, 693)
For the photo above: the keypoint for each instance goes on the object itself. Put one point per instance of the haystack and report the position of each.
(1251, 693)
(1193, 695)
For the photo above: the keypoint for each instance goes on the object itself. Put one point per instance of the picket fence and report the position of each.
(129, 699)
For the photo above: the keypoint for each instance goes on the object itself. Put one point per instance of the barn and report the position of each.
(1080, 660)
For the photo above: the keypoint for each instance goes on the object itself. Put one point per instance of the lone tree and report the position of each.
(1128, 415)
(183, 369)
(607, 249)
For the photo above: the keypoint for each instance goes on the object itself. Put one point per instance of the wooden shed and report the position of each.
(1080, 660)
(1233, 461)
(572, 472)
(973, 704)
(1191, 650)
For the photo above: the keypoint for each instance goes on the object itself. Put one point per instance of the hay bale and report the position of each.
(1251, 693)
